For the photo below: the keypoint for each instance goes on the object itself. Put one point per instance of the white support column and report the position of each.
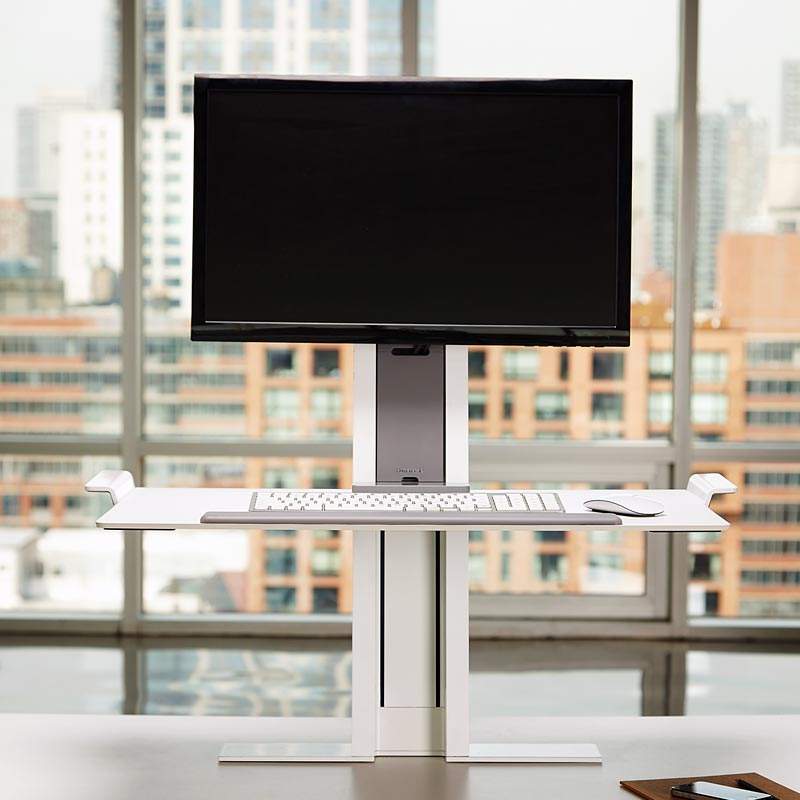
(456, 644)
(365, 643)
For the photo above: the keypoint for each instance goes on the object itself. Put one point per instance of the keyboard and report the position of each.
(327, 508)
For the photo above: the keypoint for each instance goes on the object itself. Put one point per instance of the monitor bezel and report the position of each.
(611, 336)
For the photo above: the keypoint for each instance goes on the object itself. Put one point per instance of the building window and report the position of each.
(550, 536)
(280, 478)
(550, 567)
(476, 405)
(281, 363)
(326, 363)
(280, 598)
(552, 406)
(505, 567)
(563, 365)
(325, 478)
(281, 561)
(329, 14)
(476, 363)
(772, 479)
(520, 364)
(607, 406)
(326, 404)
(608, 366)
(203, 14)
(477, 567)
(508, 404)
(709, 408)
(325, 599)
(659, 408)
(659, 364)
(325, 561)
(772, 513)
(773, 387)
(256, 56)
(282, 403)
(773, 418)
(201, 55)
(709, 367)
(257, 14)
(704, 566)
(329, 57)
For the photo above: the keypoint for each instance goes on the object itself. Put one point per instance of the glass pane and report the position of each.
(235, 389)
(558, 562)
(734, 683)
(89, 680)
(308, 679)
(60, 219)
(747, 325)
(278, 572)
(752, 570)
(52, 557)
(603, 392)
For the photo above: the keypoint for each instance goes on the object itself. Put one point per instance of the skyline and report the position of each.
(514, 44)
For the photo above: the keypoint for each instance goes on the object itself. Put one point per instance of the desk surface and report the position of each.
(88, 757)
(168, 509)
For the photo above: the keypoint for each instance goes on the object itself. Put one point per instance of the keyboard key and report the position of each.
(550, 502)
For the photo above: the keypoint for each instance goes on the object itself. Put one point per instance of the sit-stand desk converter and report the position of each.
(410, 634)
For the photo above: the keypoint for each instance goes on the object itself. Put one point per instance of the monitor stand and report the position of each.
(411, 433)
(410, 634)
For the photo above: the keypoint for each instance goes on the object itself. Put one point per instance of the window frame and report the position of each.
(665, 463)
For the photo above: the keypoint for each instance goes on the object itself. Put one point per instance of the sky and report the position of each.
(59, 43)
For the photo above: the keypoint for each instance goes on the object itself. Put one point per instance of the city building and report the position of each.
(89, 200)
(790, 103)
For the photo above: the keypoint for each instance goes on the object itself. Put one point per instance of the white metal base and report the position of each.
(285, 752)
(523, 753)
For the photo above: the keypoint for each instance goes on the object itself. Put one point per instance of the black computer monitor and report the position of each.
(412, 210)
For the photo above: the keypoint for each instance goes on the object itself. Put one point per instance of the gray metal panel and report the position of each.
(427, 520)
(410, 415)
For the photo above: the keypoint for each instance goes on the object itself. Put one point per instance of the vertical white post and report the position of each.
(365, 643)
(456, 643)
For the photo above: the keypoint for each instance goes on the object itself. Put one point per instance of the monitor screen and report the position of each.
(412, 210)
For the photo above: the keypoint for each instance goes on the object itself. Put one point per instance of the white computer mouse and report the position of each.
(629, 505)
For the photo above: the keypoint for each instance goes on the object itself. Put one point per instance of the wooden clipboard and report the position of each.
(659, 789)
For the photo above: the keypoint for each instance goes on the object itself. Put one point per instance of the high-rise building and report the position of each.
(38, 131)
(790, 103)
(89, 199)
(748, 156)
(13, 228)
(252, 36)
(712, 177)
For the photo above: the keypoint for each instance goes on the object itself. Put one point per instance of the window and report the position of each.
(508, 404)
(326, 404)
(329, 14)
(282, 404)
(281, 561)
(201, 13)
(607, 406)
(550, 568)
(660, 366)
(608, 366)
(326, 363)
(552, 405)
(281, 363)
(710, 367)
(520, 364)
(747, 330)
(257, 56)
(709, 408)
(476, 363)
(201, 55)
(477, 405)
(326, 600)
(325, 562)
(257, 14)
(659, 408)
(280, 599)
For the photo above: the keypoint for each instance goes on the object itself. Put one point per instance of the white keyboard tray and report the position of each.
(138, 508)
